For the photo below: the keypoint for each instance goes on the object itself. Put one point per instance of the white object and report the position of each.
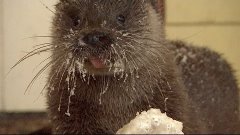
(152, 122)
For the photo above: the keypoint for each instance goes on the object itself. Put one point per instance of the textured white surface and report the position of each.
(152, 122)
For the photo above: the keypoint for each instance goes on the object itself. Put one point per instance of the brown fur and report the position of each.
(211, 86)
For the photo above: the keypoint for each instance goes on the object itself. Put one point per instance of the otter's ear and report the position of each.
(159, 6)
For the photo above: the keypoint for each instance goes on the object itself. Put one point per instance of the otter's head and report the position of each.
(105, 37)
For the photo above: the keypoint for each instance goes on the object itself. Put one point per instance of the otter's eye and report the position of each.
(75, 21)
(121, 19)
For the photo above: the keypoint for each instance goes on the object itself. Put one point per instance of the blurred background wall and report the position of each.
(1, 57)
(211, 23)
(23, 19)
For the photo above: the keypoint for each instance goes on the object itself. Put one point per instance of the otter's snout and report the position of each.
(97, 39)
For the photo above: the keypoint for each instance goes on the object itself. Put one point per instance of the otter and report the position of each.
(110, 60)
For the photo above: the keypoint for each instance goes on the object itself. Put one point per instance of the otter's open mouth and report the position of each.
(95, 65)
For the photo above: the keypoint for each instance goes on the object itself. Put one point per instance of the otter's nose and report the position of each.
(97, 39)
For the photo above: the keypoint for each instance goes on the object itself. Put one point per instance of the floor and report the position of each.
(21, 123)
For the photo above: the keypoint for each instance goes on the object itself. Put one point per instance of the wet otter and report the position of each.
(110, 60)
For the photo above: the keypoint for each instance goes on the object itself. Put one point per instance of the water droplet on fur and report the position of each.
(68, 114)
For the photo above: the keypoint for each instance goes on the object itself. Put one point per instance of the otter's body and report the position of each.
(211, 86)
(105, 69)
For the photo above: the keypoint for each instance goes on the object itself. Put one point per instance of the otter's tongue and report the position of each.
(97, 62)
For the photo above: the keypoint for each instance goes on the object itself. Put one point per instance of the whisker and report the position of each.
(47, 7)
(30, 54)
(64, 63)
(51, 78)
(39, 48)
(24, 58)
(43, 62)
(40, 37)
(43, 44)
(40, 72)
(62, 49)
